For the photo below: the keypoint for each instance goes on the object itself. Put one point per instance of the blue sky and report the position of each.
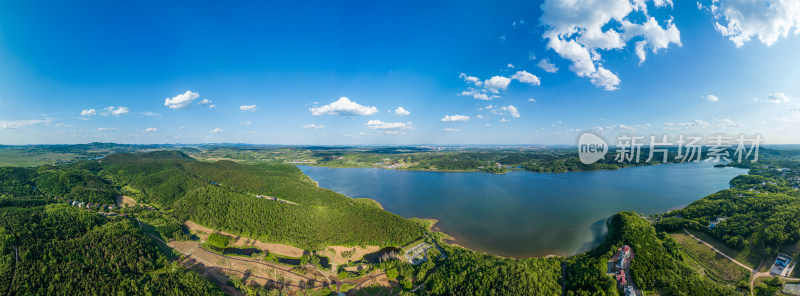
(150, 72)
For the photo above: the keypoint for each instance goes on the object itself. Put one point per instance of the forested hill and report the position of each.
(222, 195)
(50, 248)
(658, 264)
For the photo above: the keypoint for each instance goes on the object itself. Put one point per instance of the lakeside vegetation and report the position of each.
(59, 243)
(446, 159)
(759, 215)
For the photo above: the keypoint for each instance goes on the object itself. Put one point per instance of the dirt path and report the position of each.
(370, 278)
(279, 249)
(718, 251)
(16, 263)
(753, 273)
(212, 261)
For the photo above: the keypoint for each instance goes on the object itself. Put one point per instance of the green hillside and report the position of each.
(67, 251)
(222, 195)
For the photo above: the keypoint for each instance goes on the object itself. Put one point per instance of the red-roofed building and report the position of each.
(621, 278)
(626, 251)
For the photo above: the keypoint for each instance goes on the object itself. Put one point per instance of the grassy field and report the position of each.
(749, 255)
(25, 158)
(709, 262)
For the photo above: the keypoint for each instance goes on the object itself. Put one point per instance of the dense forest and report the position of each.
(63, 250)
(466, 272)
(657, 266)
(760, 210)
(222, 195)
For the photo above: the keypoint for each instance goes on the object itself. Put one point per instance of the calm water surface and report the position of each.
(523, 214)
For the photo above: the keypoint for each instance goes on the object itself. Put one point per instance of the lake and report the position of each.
(523, 214)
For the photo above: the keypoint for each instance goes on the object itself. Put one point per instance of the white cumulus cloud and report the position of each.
(711, 98)
(547, 66)
(182, 100)
(579, 30)
(248, 108)
(400, 111)
(313, 126)
(778, 98)
(478, 94)
(472, 79)
(497, 83)
(204, 102)
(106, 129)
(389, 128)
(525, 77)
(116, 111)
(89, 112)
(150, 129)
(604, 78)
(510, 110)
(377, 124)
(15, 124)
(343, 107)
(217, 130)
(767, 20)
(450, 130)
(452, 118)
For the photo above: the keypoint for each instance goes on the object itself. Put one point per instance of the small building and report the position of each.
(783, 260)
(621, 280)
(629, 291)
(714, 223)
(781, 266)
(625, 251)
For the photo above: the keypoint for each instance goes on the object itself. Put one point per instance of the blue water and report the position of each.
(523, 214)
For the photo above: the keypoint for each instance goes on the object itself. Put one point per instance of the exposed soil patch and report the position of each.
(359, 253)
(126, 201)
(280, 249)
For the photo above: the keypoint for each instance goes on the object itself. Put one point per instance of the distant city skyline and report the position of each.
(397, 73)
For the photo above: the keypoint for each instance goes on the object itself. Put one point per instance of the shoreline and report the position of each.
(453, 241)
(482, 171)
(450, 240)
